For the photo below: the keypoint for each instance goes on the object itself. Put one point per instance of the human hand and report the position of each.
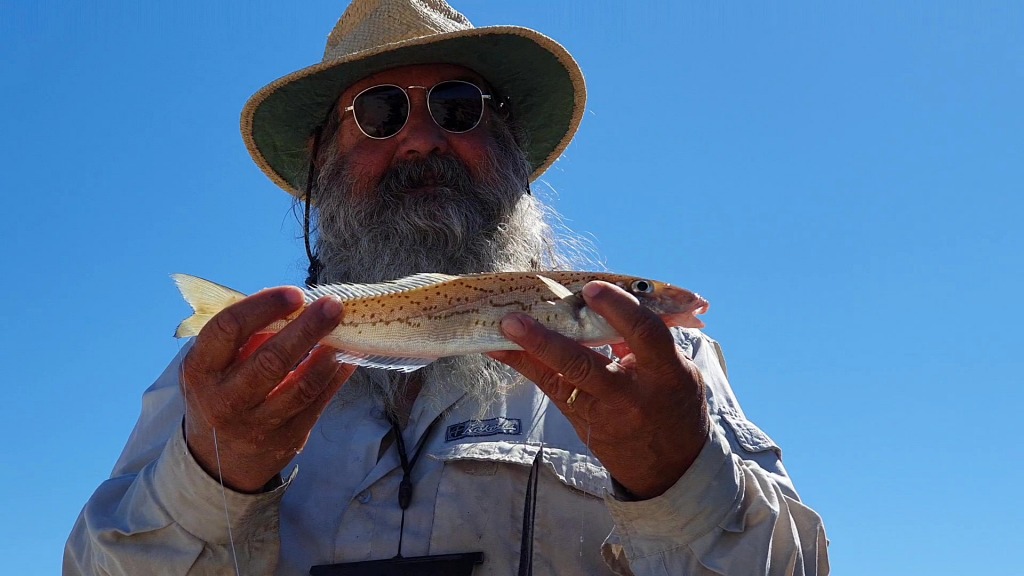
(645, 416)
(264, 397)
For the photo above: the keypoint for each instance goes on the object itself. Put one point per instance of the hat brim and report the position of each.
(543, 82)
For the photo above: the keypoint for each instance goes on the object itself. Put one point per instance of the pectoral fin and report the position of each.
(574, 302)
(556, 288)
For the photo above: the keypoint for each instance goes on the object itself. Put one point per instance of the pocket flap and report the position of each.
(748, 435)
(579, 471)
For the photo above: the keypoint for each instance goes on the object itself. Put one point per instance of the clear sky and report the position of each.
(842, 180)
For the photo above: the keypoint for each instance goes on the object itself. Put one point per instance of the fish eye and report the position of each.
(642, 286)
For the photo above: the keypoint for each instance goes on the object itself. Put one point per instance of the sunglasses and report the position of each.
(382, 111)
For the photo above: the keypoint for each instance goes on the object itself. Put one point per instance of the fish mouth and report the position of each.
(687, 318)
(702, 305)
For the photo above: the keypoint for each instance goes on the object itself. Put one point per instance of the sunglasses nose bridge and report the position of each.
(421, 135)
(418, 105)
(419, 108)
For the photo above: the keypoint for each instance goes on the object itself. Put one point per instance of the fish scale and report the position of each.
(407, 323)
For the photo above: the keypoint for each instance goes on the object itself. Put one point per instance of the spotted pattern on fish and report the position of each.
(407, 323)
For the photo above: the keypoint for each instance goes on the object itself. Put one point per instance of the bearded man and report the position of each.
(412, 146)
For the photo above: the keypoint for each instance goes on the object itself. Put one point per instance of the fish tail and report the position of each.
(206, 299)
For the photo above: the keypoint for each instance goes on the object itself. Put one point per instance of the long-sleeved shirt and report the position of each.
(734, 511)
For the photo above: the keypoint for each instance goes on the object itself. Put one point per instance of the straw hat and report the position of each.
(543, 82)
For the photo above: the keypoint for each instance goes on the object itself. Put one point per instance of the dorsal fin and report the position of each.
(347, 291)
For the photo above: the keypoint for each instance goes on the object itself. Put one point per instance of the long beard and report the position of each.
(431, 215)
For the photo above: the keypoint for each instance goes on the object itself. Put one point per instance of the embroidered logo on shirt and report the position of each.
(489, 427)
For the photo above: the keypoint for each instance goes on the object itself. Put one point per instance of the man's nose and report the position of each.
(421, 136)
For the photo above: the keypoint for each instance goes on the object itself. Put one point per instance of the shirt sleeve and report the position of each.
(160, 513)
(734, 512)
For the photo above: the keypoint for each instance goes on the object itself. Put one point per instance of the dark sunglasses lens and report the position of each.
(381, 111)
(456, 106)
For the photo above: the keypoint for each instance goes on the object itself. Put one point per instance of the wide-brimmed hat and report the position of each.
(540, 78)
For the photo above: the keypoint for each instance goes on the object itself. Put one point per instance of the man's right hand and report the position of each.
(262, 405)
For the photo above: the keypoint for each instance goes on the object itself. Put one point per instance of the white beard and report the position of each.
(459, 226)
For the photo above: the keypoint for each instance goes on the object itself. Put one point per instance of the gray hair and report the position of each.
(485, 223)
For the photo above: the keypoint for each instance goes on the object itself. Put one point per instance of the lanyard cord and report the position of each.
(529, 515)
(405, 493)
(405, 486)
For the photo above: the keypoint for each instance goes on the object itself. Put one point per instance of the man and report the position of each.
(413, 144)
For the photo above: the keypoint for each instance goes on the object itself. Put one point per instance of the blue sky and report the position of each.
(842, 180)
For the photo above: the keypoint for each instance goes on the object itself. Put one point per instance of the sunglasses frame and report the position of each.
(408, 102)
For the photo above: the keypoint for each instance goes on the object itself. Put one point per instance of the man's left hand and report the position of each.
(644, 416)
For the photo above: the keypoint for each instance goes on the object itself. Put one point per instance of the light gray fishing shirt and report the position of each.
(735, 510)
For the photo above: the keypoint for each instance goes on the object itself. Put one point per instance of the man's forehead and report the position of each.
(415, 75)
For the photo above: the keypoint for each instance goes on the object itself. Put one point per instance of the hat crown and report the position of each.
(371, 24)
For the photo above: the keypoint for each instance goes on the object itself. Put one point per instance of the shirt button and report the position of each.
(364, 496)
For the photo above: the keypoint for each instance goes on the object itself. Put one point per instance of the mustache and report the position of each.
(443, 171)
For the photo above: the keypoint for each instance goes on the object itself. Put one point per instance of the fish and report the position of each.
(408, 323)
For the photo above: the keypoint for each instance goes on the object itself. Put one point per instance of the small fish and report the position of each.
(408, 323)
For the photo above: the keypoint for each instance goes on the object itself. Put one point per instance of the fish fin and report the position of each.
(561, 291)
(385, 362)
(574, 302)
(379, 289)
(206, 299)
(596, 323)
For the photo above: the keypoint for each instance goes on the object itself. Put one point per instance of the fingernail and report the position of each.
(293, 298)
(592, 289)
(513, 325)
(330, 309)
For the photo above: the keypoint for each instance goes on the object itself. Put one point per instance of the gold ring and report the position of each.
(572, 397)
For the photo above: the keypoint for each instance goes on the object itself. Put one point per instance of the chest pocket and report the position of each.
(578, 471)
(480, 500)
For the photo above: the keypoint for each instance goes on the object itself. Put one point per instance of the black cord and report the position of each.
(314, 262)
(405, 486)
(529, 516)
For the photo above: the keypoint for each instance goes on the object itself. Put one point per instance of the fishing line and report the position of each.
(589, 455)
(224, 496)
(184, 394)
(216, 451)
